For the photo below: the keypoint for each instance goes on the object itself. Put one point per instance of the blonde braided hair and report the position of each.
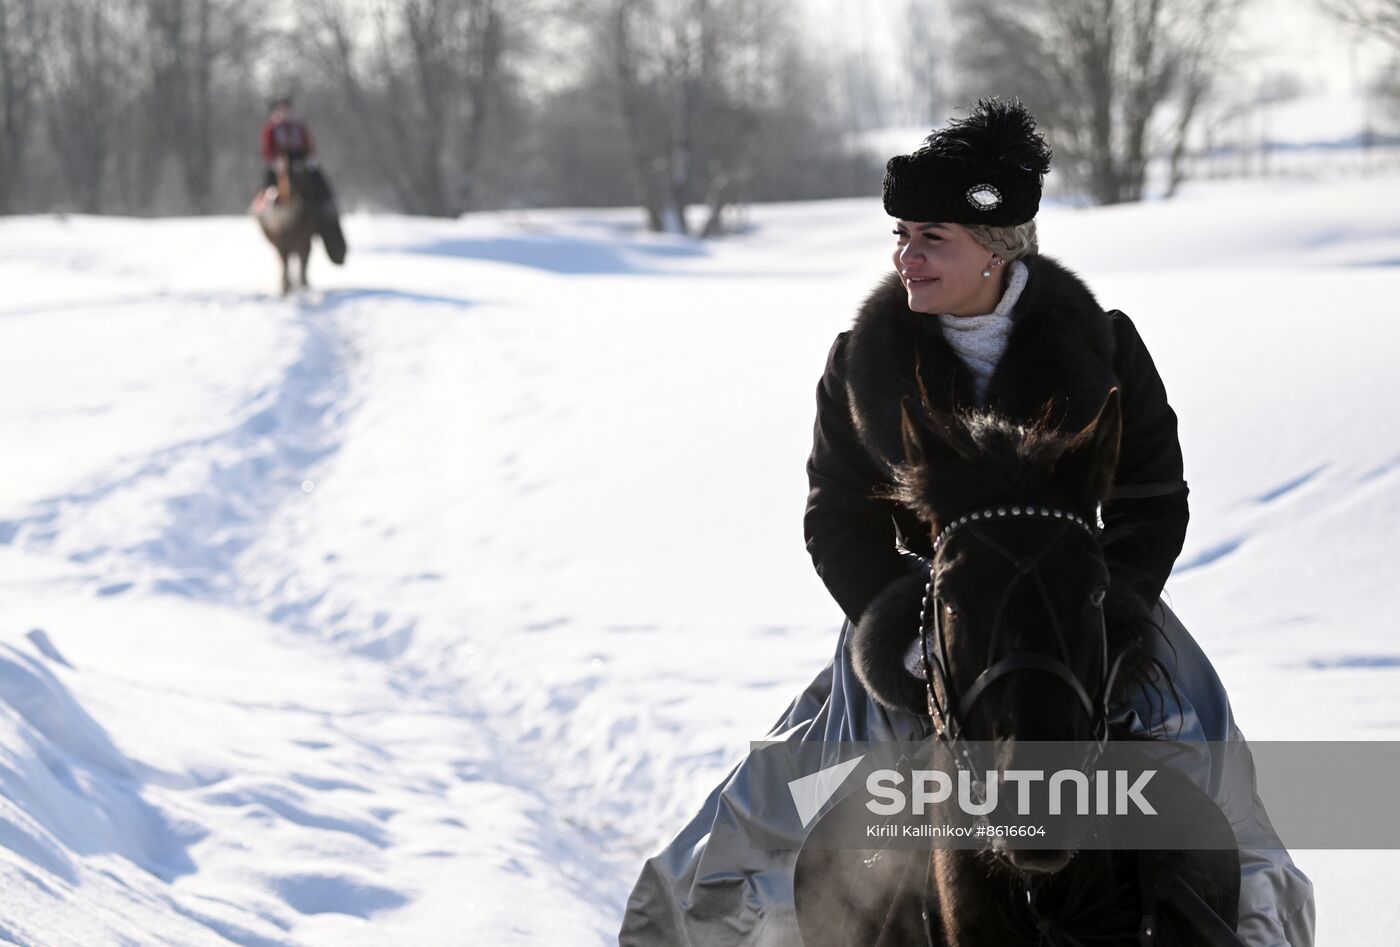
(1010, 242)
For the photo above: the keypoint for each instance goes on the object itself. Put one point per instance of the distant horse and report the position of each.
(1021, 638)
(303, 208)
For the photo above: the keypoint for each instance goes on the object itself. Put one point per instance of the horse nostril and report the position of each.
(1039, 861)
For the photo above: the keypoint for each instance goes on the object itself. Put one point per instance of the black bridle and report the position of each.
(1157, 882)
(949, 712)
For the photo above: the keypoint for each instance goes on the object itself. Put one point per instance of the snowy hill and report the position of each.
(420, 607)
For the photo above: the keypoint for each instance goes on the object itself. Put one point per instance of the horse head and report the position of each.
(1009, 621)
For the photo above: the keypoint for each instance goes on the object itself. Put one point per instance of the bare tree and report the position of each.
(1379, 19)
(179, 73)
(87, 67)
(1099, 75)
(195, 52)
(23, 31)
(923, 39)
(692, 79)
(1201, 49)
(420, 78)
(807, 150)
(578, 143)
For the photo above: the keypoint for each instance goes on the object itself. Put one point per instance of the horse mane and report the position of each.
(1003, 459)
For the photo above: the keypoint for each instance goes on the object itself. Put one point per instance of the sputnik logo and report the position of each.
(810, 793)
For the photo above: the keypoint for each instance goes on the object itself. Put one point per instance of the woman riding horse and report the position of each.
(972, 317)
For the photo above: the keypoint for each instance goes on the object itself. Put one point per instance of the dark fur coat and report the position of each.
(1064, 349)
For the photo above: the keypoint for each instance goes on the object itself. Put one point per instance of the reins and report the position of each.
(948, 712)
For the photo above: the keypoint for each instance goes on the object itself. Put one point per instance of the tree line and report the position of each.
(684, 107)
(429, 107)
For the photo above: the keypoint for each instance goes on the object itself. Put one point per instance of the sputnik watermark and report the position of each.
(1135, 794)
(810, 793)
(1113, 792)
(1104, 792)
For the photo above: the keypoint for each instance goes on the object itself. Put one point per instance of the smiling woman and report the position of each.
(945, 269)
(973, 329)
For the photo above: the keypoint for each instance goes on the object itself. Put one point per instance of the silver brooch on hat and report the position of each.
(984, 197)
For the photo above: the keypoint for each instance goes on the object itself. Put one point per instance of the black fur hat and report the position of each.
(984, 169)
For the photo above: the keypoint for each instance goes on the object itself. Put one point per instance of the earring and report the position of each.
(996, 261)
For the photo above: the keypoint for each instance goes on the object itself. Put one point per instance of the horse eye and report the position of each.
(1096, 597)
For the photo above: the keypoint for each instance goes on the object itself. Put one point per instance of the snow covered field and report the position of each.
(420, 607)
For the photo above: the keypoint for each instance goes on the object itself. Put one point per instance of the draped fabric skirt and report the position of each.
(712, 886)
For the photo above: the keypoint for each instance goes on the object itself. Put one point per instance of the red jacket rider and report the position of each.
(284, 134)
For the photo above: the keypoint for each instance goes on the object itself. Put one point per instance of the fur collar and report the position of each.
(1060, 350)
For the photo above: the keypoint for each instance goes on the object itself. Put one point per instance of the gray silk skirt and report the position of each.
(712, 886)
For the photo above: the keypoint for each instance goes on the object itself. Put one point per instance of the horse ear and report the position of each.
(1091, 457)
(934, 437)
(911, 433)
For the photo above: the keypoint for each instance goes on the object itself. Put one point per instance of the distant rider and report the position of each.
(284, 138)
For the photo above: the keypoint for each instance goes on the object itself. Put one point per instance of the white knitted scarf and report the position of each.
(981, 340)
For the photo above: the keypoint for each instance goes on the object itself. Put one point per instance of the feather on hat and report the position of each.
(984, 169)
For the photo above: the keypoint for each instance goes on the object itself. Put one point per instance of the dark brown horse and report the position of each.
(303, 209)
(1023, 638)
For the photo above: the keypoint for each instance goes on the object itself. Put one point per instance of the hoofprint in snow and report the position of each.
(421, 607)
